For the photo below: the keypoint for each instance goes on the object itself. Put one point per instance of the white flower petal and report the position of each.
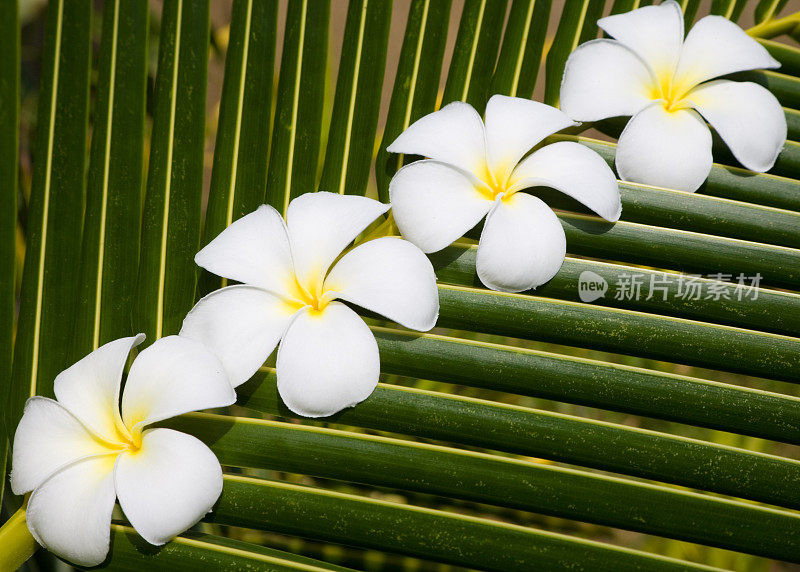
(48, 437)
(254, 250)
(389, 276)
(433, 204)
(175, 375)
(663, 148)
(514, 126)
(522, 244)
(603, 78)
(321, 225)
(168, 485)
(574, 170)
(241, 325)
(90, 387)
(70, 513)
(452, 135)
(653, 32)
(716, 46)
(747, 117)
(327, 361)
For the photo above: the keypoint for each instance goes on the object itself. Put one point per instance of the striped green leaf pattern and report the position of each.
(537, 430)
(171, 216)
(110, 253)
(239, 174)
(358, 97)
(416, 83)
(297, 126)
(9, 145)
(55, 211)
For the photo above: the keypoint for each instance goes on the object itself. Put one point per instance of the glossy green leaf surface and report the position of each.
(768, 9)
(648, 290)
(522, 49)
(171, 216)
(441, 536)
(589, 382)
(416, 83)
(297, 126)
(622, 331)
(689, 252)
(195, 551)
(9, 155)
(475, 52)
(55, 211)
(358, 96)
(483, 478)
(559, 437)
(239, 174)
(110, 254)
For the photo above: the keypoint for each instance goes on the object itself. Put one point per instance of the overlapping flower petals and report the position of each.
(522, 245)
(174, 472)
(327, 356)
(328, 360)
(242, 324)
(619, 81)
(654, 33)
(513, 127)
(748, 117)
(672, 147)
(605, 78)
(77, 454)
(714, 47)
(434, 203)
(520, 228)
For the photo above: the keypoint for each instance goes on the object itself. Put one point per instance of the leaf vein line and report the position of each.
(579, 27)
(473, 51)
(239, 111)
(523, 44)
(168, 183)
(295, 105)
(106, 166)
(46, 206)
(351, 111)
(415, 72)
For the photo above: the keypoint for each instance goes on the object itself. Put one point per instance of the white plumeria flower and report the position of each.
(78, 454)
(328, 358)
(475, 171)
(653, 74)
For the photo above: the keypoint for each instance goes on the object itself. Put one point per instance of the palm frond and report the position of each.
(530, 421)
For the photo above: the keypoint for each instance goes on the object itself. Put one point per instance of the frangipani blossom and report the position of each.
(79, 453)
(653, 74)
(476, 171)
(293, 280)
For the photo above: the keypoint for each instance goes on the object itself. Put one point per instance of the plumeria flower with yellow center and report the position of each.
(294, 283)
(651, 73)
(476, 171)
(79, 453)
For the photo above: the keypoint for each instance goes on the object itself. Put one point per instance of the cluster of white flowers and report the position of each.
(80, 453)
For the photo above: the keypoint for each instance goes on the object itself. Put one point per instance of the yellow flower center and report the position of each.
(493, 182)
(129, 440)
(123, 441)
(312, 294)
(672, 90)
